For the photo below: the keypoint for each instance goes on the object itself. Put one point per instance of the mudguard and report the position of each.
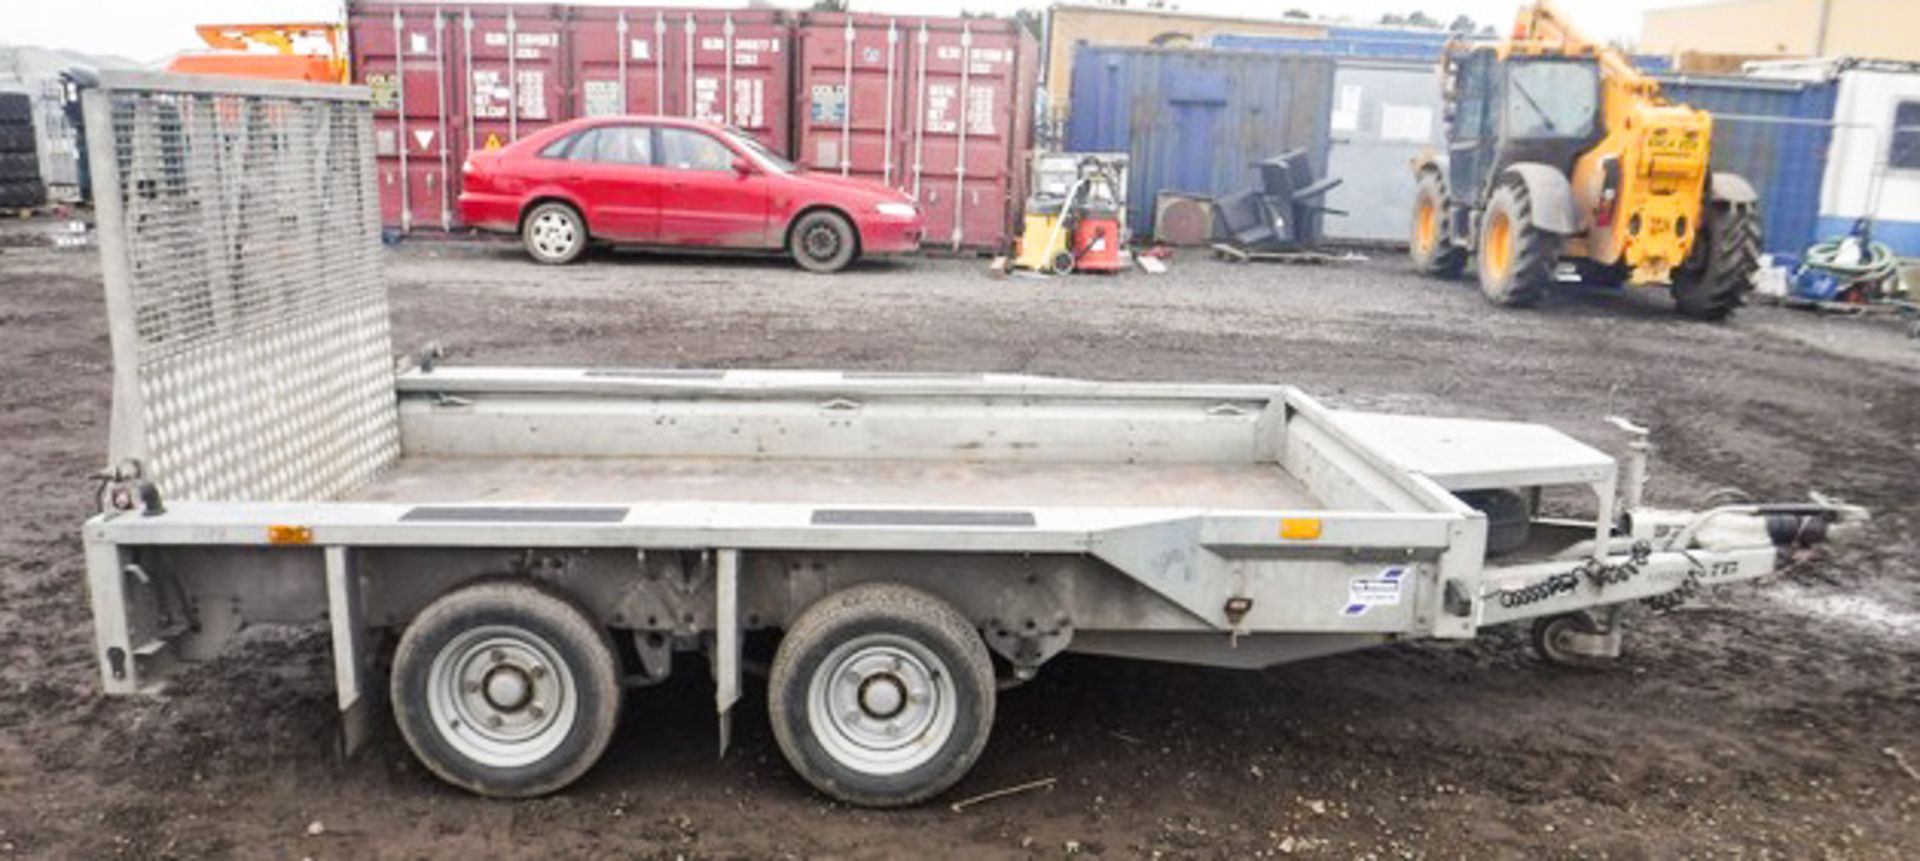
(1731, 188)
(1550, 194)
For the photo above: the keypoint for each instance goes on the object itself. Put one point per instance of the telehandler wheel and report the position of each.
(881, 695)
(1718, 272)
(506, 689)
(1516, 257)
(1432, 253)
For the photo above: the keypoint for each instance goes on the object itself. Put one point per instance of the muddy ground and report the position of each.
(1775, 720)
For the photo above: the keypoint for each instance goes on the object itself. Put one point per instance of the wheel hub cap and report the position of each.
(883, 696)
(882, 704)
(822, 242)
(553, 234)
(501, 696)
(508, 688)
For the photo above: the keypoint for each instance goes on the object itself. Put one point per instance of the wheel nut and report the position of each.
(472, 687)
(494, 721)
(538, 671)
(536, 711)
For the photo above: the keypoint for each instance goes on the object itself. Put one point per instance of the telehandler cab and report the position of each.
(1558, 149)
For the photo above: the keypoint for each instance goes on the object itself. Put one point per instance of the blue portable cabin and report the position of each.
(1776, 134)
(1195, 120)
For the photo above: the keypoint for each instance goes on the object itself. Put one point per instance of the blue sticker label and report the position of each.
(1380, 590)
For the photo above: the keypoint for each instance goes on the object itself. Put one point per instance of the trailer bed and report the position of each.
(431, 479)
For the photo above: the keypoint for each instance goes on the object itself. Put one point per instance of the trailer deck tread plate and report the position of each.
(835, 483)
(1470, 454)
(919, 517)
(514, 514)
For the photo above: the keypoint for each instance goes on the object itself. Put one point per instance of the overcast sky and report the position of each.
(148, 30)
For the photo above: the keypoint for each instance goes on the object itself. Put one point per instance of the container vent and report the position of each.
(239, 229)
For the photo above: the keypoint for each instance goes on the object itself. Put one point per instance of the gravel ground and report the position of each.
(1780, 719)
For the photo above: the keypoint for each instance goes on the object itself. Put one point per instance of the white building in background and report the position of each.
(1873, 163)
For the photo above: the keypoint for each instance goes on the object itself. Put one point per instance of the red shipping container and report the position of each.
(405, 57)
(728, 67)
(938, 107)
(451, 79)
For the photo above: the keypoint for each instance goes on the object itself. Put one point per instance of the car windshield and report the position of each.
(1551, 99)
(760, 151)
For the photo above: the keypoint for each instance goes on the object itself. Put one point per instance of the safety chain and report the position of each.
(1592, 571)
(1672, 600)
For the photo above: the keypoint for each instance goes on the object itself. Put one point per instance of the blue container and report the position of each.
(1196, 121)
(1386, 44)
(1335, 45)
(1774, 133)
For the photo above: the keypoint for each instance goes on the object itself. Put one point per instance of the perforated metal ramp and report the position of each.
(239, 243)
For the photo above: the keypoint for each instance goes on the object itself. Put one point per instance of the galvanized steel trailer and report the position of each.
(543, 540)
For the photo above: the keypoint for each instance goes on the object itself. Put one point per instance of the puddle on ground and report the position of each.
(1855, 611)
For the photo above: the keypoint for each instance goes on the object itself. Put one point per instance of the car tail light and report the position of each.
(473, 174)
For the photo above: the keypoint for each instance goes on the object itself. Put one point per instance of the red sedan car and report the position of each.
(670, 182)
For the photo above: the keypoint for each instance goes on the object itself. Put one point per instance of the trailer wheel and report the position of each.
(881, 695)
(1516, 256)
(506, 689)
(1551, 635)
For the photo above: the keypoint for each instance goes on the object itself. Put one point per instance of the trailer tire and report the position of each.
(1548, 637)
(1432, 252)
(506, 689)
(1516, 256)
(881, 695)
(1509, 518)
(1717, 274)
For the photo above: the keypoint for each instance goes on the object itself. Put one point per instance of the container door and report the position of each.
(401, 55)
(731, 68)
(1196, 106)
(617, 64)
(513, 74)
(704, 200)
(963, 102)
(1382, 115)
(851, 97)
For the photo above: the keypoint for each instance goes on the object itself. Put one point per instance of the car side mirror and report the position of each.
(742, 167)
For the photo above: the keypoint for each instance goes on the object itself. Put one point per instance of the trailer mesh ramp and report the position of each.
(239, 228)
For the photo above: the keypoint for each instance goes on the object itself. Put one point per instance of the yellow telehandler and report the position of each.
(1558, 149)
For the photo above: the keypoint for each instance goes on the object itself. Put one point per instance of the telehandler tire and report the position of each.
(1717, 274)
(1516, 257)
(1432, 253)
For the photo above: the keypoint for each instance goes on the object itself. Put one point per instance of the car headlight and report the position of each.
(897, 210)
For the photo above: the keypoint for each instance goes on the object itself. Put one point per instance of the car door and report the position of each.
(617, 183)
(704, 200)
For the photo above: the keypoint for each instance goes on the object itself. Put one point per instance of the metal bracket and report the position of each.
(347, 617)
(726, 641)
